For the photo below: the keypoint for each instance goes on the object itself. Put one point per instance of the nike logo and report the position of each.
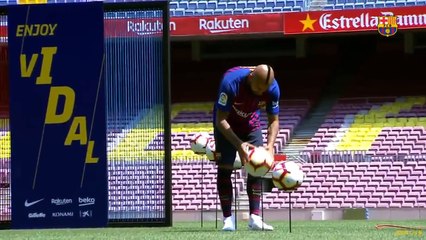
(29, 204)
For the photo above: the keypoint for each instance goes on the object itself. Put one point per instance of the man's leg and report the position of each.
(225, 163)
(254, 189)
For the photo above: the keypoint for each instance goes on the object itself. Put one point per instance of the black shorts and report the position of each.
(227, 151)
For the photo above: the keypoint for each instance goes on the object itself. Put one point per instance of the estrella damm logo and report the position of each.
(387, 25)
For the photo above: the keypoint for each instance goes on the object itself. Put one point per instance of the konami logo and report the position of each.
(223, 25)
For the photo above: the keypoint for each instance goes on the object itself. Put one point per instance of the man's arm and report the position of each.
(224, 127)
(273, 128)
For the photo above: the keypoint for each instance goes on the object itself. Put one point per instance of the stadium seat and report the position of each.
(231, 5)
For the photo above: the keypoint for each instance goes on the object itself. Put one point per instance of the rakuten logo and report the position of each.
(59, 202)
(144, 27)
(86, 201)
(223, 25)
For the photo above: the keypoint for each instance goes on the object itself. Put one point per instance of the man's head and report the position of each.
(260, 79)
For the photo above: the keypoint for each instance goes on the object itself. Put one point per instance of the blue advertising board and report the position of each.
(57, 115)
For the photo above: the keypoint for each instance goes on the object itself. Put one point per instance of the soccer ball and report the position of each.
(287, 176)
(260, 162)
(212, 155)
(199, 142)
(211, 150)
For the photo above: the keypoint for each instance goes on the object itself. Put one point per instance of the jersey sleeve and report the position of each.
(226, 95)
(273, 104)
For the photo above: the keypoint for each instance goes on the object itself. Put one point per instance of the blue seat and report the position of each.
(208, 12)
(297, 9)
(339, 6)
(231, 5)
(270, 3)
(390, 4)
(360, 1)
(349, 6)
(238, 11)
(248, 10)
(257, 10)
(251, 4)
(221, 5)
(359, 5)
(202, 4)
(329, 7)
(400, 4)
(212, 5)
(241, 4)
(192, 5)
(379, 5)
(369, 5)
(290, 3)
(287, 9)
(261, 4)
(199, 12)
(267, 10)
(218, 12)
(189, 12)
(421, 2)
(183, 4)
(228, 11)
(300, 3)
(277, 9)
(280, 3)
(331, 2)
(410, 3)
(173, 5)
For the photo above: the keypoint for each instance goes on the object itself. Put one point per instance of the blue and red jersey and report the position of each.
(235, 96)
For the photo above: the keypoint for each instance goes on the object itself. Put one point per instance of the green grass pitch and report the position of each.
(341, 230)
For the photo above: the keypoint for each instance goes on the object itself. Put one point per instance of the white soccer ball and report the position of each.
(211, 150)
(259, 163)
(199, 142)
(287, 176)
(212, 155)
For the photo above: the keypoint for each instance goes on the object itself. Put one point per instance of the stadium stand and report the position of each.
(383, 126)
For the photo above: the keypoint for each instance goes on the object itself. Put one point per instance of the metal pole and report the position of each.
(261, 201)
(235, 198)
(289, 211)
(202, 192)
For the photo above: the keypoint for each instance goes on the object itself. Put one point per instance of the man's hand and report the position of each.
(243, 151)
(271, 151)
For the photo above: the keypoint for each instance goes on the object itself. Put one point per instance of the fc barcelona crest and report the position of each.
(387, 25)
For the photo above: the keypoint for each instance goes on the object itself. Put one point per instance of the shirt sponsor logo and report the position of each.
(60, 202)
(241, 113)
(63, 214)
(86, 213)
(36, 215)
(223, 99)
(86, 201)
(29, 204)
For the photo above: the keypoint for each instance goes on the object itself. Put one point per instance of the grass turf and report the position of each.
(342, 230)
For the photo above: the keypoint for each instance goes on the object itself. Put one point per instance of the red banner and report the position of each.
(197, 26)
(352, 20)
(3, 31)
